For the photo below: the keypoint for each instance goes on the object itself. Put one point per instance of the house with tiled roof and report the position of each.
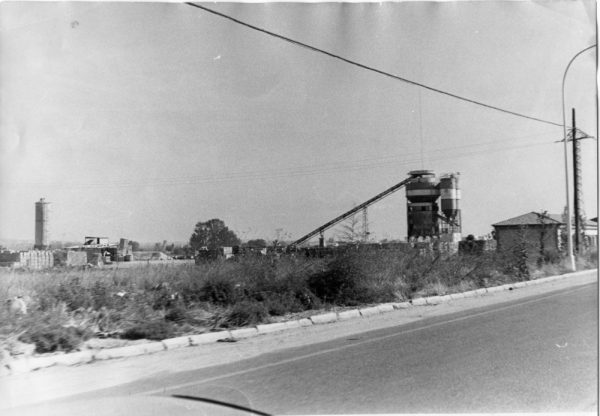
(538, 232)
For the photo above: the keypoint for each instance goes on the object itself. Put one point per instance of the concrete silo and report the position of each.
(424, 216)
(422, 209)
(41, 225)
(450, 227)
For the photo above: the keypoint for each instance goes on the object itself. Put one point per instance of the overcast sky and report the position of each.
(138, 120)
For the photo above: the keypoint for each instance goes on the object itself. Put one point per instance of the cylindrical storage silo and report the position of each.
(449, 195)
(41, 225)
(422, 209)
(422, 187)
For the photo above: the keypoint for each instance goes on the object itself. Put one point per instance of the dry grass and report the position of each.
(68, 306)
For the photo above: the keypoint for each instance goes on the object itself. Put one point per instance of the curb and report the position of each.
(27, 364)
(209, 337)
(244, 333)
(324, 318)
(351, 314)
(179, 342)
(386, 307)
(369, 311)
(268, 328)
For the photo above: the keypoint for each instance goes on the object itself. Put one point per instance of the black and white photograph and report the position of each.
(298, 208)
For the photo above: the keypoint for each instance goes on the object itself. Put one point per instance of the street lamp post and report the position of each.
(569, 224)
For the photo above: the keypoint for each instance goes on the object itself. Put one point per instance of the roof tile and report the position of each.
(531, 218)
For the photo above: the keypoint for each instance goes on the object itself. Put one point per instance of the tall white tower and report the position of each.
(41, 225)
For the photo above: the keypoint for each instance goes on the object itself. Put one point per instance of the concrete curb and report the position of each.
(386, 307)
(374, 310)
(179, 342)
(292, 324)
(80, 357)
(129, 351)
(419, 301)
(351, 314)
(268, 328)
(209, 337)
(305, 322)
(23, 365)
(244, 333)
(324, 318)
(433, 300)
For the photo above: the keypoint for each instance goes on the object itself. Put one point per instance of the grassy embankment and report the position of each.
(69, 306)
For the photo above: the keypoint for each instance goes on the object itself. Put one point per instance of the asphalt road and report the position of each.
(536, 354)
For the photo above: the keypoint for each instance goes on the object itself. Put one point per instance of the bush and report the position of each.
(176, 314)
(72, 293)
(352, 279)
(246, 313)
(55, 337)
(219, 289)
(281, 303)
(100, 295)
(154, 330)
(158, 302)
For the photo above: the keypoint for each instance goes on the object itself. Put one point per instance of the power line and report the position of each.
(262, 175)
(369, 68)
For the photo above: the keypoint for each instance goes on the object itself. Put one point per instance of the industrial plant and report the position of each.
(433, 222)
(95, 251)
(424, 217)
(433, 216)
(425, 221)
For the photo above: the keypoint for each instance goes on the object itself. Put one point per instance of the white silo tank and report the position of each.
(41, 224)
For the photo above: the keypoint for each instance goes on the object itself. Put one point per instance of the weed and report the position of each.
(246, 313)
(157, 329)
(50, 338)
(69, 305)
(352, 279)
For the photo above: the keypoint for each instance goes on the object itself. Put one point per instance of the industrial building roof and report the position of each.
(531, 218)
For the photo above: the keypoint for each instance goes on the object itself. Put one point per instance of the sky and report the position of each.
(139, 120)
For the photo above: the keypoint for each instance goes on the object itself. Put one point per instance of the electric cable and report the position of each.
(264, 175)
(370, 68)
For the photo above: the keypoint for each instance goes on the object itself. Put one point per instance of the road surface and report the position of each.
(534, 354)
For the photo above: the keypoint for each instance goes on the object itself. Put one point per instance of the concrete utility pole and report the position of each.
(570, 256)
(576, 183)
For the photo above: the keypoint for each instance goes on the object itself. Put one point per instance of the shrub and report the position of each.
(51, 330)
(219, 289)
(246, 313)
(154, 330)
(72, 293)
(100, 295)
(352, 279)
(176, 313)
(55, 337)
(282, 303)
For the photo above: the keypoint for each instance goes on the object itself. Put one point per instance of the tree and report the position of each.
(257, 242)
(350, 231)
(135, 246)
(521, 254)
(213, 234)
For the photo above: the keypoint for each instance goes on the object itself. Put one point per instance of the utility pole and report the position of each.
(576, 182)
